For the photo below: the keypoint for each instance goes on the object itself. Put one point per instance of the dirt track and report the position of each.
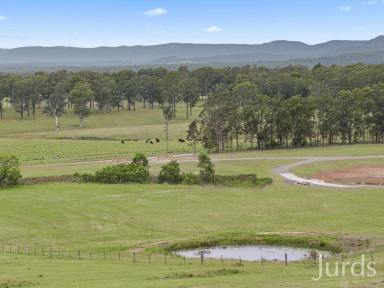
(284, 171)
(370, 175)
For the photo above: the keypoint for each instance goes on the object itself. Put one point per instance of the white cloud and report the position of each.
(345, 8)
(213, 29)
(372, 2)
(156, 12)
(3, 18)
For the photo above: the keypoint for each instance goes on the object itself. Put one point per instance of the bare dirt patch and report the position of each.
(362, 175)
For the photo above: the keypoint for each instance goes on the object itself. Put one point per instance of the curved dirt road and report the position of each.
(284, 171)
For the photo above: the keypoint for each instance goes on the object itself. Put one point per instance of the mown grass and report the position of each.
(35, 151)
(115, 218)
(115, 125)
(119, 218)
(128, 216)
(64, 273)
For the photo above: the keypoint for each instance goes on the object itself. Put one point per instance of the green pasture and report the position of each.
(122, 218)
(32, 271)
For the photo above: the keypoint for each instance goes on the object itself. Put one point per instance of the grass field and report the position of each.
(123, 124)
(121, 218)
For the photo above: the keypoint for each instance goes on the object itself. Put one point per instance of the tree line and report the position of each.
(86, 91)
(253, 106)
(293, 107)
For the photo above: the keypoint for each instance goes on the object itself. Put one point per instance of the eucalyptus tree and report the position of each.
(125, 86)
(3, 96)
(193, 134)
(55, 103)
(168, 115)
(217, 119)
(245, 92)
(40, 90)
(376, 116)
(22, 92)
(301, 111)
(104, 91)
(189, 91)
(170, 90)
(80, 96)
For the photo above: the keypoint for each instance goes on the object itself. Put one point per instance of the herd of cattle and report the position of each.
(153, 141)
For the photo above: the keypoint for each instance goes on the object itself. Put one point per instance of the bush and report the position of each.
(135, 172)
(140, 158)
(9, 171)
(207, 171)
(242, 180)
(170, 173)
(84, 177)
(190, 179)
(123, 173)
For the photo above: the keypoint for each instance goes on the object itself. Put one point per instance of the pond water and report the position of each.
(251, 253)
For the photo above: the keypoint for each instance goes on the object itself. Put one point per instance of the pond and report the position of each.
(251, 253)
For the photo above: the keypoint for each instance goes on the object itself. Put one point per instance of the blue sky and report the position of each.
(90, 23)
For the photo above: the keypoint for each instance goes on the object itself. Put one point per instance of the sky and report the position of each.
(92, 23)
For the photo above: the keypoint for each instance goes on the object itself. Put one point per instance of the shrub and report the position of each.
(170, 173)
(84, 177)
(207, 171)
(135, 172)
(123, 173)
(140, 158)
(242, 180)
(190, 179)
(9, 171)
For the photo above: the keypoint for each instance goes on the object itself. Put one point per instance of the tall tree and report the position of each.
(55, 102)
(80, 96)
(168, 116)
(189, 91)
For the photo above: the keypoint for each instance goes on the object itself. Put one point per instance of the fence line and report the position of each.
(134, 257)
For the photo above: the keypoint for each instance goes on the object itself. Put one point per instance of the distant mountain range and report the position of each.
(276, 53)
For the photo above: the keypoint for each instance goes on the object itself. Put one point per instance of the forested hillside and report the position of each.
(273, 54)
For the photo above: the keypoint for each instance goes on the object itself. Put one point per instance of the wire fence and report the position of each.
(141, 257)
